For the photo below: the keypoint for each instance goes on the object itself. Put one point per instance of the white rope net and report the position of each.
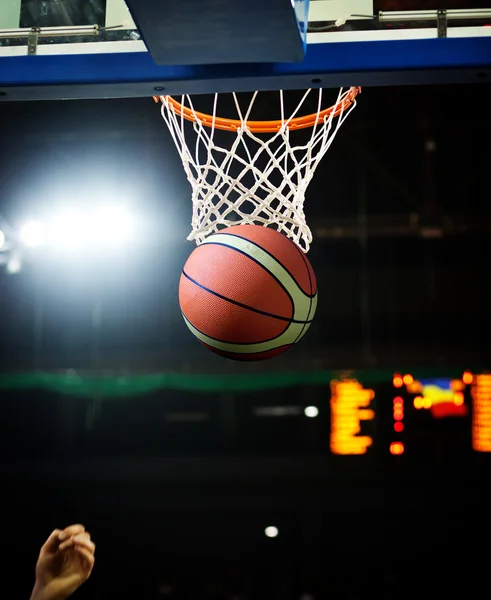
(260, 178)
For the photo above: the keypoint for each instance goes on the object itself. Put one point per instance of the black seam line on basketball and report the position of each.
(255, 310)
(238, 343)
(269, 254)
(272, 275)
(309, 296)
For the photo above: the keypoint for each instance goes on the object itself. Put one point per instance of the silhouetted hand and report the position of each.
(66, 560)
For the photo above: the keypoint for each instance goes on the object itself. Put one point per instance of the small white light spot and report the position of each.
(311, 411)
(271, 532)
(14, 264)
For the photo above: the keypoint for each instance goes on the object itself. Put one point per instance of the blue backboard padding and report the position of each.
(182, 32)
(328, 63)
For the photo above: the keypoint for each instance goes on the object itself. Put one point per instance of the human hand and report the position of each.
(65, 561)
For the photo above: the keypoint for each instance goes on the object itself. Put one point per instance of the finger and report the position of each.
(88, 557)
(66, 544)
(84, 542)
(82, 539)
(82, 536)
(71, 531)
(51, 544)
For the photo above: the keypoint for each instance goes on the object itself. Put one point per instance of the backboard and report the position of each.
(94, 49)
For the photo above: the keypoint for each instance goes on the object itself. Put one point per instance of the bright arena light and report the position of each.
(271, 532)
(69, 230)
(32, 234)
(2, 239)
(113, 225)
(82, 229)
(74, 229)
(311, 411)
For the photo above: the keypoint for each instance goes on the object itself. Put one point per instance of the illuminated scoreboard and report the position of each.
(416, 416)
(350, 406)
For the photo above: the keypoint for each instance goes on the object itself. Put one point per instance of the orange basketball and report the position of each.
(248, 293)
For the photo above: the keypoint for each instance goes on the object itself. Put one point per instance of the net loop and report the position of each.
(261, 176)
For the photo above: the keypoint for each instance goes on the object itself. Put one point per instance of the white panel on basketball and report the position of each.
(291, 335)
(313, 308)
(301, 302)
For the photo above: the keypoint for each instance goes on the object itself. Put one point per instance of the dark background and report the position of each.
(401, 235)
(401, 252)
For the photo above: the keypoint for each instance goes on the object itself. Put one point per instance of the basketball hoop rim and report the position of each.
(260, 126)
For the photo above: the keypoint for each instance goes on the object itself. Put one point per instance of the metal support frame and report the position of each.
(432, 15)
(441, 23)
(50, 32)
(91, 68)
(32, 42)
(377, 63)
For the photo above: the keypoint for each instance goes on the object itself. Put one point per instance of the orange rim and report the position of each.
(260, 126)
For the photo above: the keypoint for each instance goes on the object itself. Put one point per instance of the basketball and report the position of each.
(248, 293)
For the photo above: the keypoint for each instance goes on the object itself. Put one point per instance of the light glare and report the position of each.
(69, 230)
(2, 239)
(14, 264)
(77, 229)
(32, 234)
(113, 225)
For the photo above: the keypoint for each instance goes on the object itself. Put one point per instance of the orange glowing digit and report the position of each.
(481, 413)
(397, 448)
(349, 407)
(458, 399)
(398, 381)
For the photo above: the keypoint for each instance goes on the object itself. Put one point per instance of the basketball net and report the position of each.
(261, 178)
